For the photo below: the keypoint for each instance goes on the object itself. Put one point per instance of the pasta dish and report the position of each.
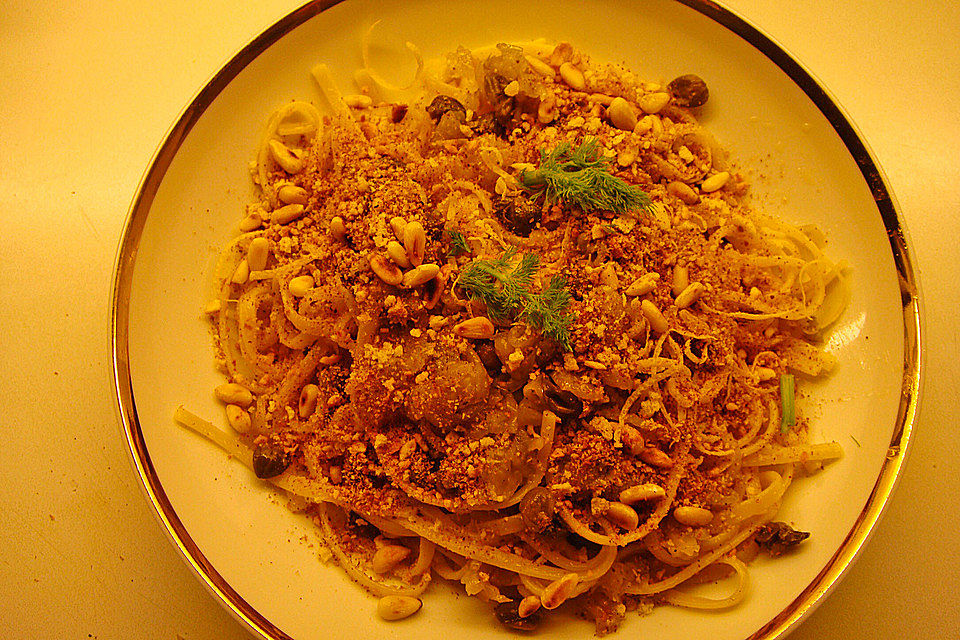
(516, 326)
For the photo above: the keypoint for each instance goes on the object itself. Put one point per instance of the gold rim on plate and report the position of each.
(887, 478)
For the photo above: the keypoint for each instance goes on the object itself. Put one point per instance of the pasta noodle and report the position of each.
(516, 326)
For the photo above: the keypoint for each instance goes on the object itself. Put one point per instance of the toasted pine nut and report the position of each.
(693, 516)
(308, 400)
(212, 307)
(573, 77)
(420, 275)
(415, 242)
(642, 492)
(528, 606)
(238, 418)
(557, 592)
(656, 320)
(257, 254)
(389, 556)
(398, 607)
(398, 224)
(290, 160)
(287, 213)
(358, 101)
(479, 328)
(653, 102)
(251, 222)
(683, 191)
(434, 289)
(300, 286)
(398, 254)
(337, 228)
(715, 182)
(292, 194)
(656, 458)
(623, 516)
(540, 66)
(242, 273)
(386, 270)
(680, 280)
(233, 393)
(643, 285)
(547, 110)
(690, 294)
(621, 115)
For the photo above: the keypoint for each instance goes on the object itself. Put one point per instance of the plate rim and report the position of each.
(901, 248)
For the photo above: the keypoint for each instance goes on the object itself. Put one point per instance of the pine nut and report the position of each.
(540, 66)
(653, 102)
(287, 213)
(338, 229)
(308, 400)
(386, 270)
(397, 607)
(415, 242)
(300, 286)
(358, 101)
(251, 223)
(693, 516)
(289, 160)
(656, 458)
(623, 516)
(642, 492)
(479, 328)
(398, 224)
(573, 77)
(683, 191)
(257, 254)
(528, 606)
(233, 393)
(621, 115)
(421, 275)
(388, 556)
(715, 182)
(242, 273)
(547, 110)
(643, 285)
(238, 418)
(656, 320)
(434, 289)
(765, 373)
(681, 278)
(557, 592)
(292, 194)
(690, 295)
(398, 254)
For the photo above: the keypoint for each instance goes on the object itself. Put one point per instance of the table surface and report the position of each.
(89, 89)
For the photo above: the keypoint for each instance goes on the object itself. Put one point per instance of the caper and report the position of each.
(537, 508)
(689, 91)
(563, 403)
(488, 356)
(508, 614)
(446, 104)
(269, 459)
(520, 214)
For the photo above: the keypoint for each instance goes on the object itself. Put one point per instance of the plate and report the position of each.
(808, 165)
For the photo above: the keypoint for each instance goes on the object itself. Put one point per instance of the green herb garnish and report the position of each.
(504, 283)
(788, 412)
(458, 243)
(582, 177)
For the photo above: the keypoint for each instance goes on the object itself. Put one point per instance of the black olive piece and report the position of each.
(537, 509)
(563, 403)
(488, 356)
(445, 104)
(779, 537)
(688, 91)
(269, 459)
(508, 614)
(520, 214)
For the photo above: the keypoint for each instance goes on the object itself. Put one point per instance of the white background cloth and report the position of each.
(87, 91)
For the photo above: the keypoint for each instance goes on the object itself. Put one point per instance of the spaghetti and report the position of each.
(518, 328)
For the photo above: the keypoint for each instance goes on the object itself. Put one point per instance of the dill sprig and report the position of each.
(458, 243)
(504, 285)
(582, 177)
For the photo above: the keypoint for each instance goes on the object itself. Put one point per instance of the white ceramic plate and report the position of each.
(808, 165)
